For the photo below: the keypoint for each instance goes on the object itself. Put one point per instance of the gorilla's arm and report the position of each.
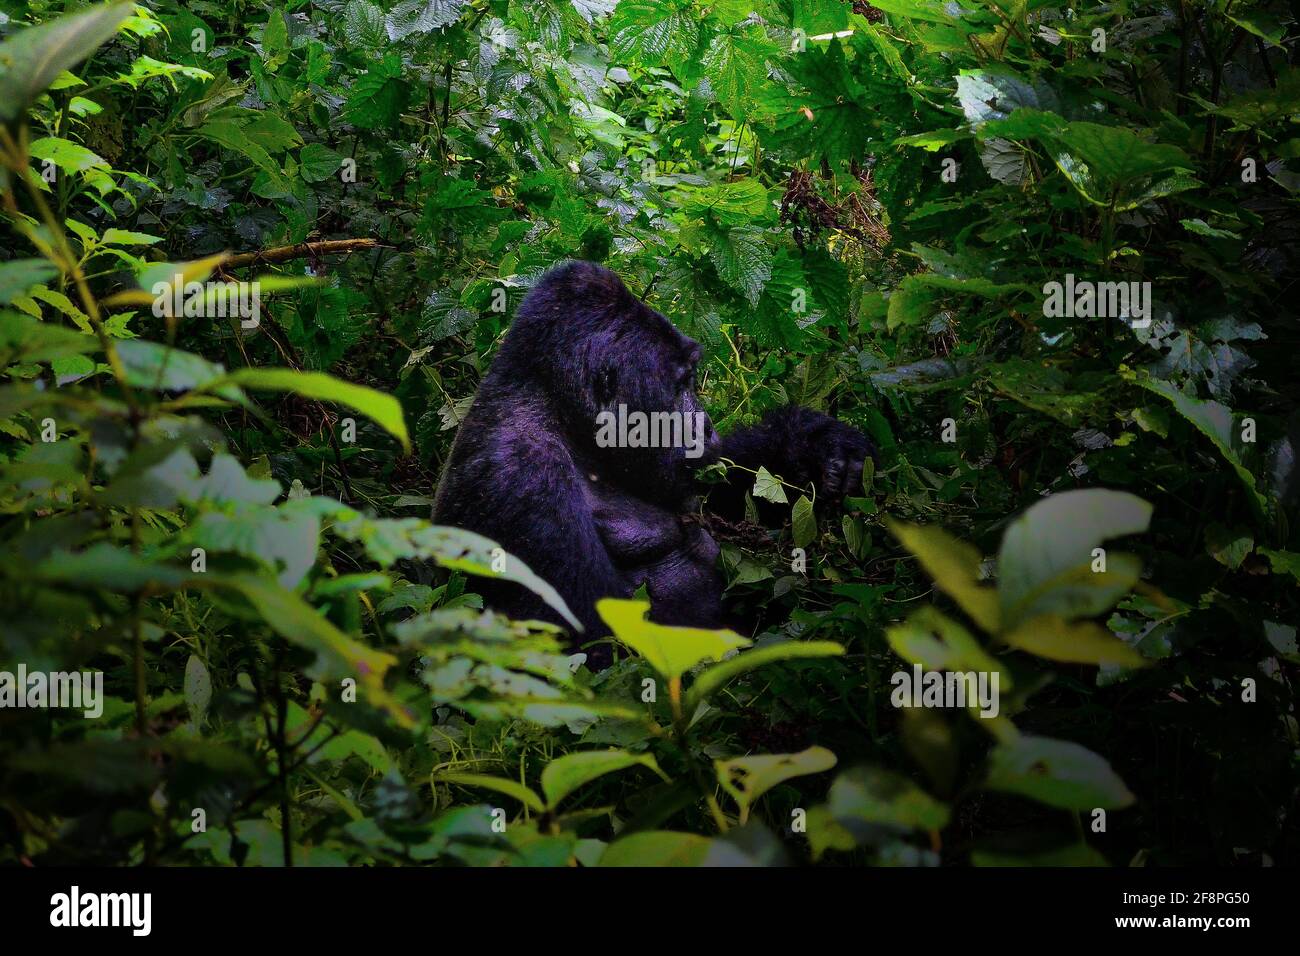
(797, 444)
(519, 487)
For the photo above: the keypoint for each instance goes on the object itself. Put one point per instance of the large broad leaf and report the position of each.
(1056, 772)
(987, 95)
(954, 566)
(153, 365)
(670, 650)
(32, 58)
(803, 522)
(748, 778)
(1113, 166)
(1080, 591)
(654, 33)
(1215, 421)
(23, 338)
(387, 540)
(717, 676)
(1052, 543)
(18, 276)
(880, 796)
(383, 409)
(744, 261)
(657, 848)
(1078, 642)
(566, 774)
(939, 643)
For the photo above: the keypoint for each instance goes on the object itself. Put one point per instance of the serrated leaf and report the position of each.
(744, 261)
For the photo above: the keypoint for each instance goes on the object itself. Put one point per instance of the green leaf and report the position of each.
(1056, 772)
(670, 650)
(1079, 642)
(423, 16)
(337, 655)
(1079, 591)
(1283, 562)
(766, 486)
(1046, 553)
(111, 568)
(1215, 421)
(318, 163)
(1261, 23)
(939, 643)
(566, 774)
(954, 566)
(1114, 166)
(384, 410)
(748, 778)
(737, 203)
(803, 522)
(124, 237)
(736, 65)
(869, 795)
(657, 848)
(25, 339)
(711, 679)
(483, 781)
(198, 690)
(387, 540)
(32, 58)
(156, 366)
(987, 95)
(654, 33)
(744, 261)
(1282, 638)
(19, 275)
(1228, 547)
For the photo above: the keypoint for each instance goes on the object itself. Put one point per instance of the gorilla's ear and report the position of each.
(606, 385)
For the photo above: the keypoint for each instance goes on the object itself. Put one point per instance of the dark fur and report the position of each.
(526, 470)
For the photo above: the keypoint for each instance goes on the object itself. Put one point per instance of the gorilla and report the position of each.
(533, 466)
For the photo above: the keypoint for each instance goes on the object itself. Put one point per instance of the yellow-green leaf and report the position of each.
(954, 566)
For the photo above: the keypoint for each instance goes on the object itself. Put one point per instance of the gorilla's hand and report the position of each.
(800, 445)
(837, 453)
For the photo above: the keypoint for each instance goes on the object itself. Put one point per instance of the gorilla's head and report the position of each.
(619, 376)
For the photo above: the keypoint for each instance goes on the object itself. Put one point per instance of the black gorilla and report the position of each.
(531, 469)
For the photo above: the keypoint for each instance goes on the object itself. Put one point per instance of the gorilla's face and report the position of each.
(649, 424)
(619, 376)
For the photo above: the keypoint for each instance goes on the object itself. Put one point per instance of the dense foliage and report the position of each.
(853, 206)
